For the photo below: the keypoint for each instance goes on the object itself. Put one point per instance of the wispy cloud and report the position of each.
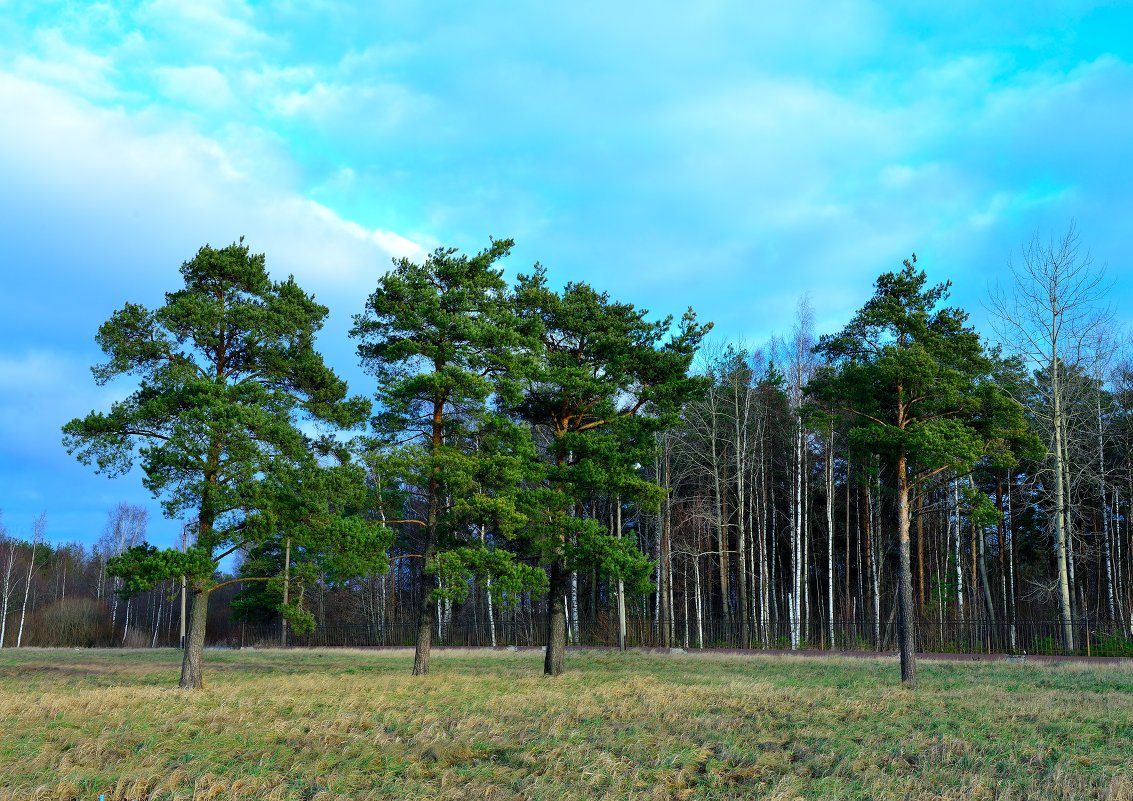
(207, 29)
(53, 60)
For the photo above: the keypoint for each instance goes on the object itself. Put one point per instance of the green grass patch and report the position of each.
(293, 725)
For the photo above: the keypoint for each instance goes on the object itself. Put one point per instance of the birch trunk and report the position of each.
(621, 583)
(488, 595)
(796, 538)
(721, 522)
(1110, 595)
(7, 590)
(27, 587)
(872, 560)
(1060, 532)
(906, 631)
(575, 634)
(286, 588)
(954, 523)
(830, 538)
(1013, 610)
(699, 609)
(740, 446)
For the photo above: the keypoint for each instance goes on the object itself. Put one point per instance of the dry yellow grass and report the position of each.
(341, 724)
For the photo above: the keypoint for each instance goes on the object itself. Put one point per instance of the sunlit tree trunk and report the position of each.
(286, 589)
(11, 561)
(872, 559)
(191, 673)
(27, 583)
(575, 633)
(742, 401)
(721, 519)
(954, 524)
(555, 659)
(621, 583)
(830, 538)
(906, 626)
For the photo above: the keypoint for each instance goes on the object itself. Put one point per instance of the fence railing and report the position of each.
(1092, 637)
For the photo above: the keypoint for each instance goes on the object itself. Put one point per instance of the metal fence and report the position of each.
(1092, 638)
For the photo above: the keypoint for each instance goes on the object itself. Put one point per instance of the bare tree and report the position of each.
(800, 362)
(9, 549)
(125, 528)
(38, 529)
(1051, 321)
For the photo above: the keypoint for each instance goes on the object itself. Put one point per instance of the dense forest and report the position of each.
(553, 467)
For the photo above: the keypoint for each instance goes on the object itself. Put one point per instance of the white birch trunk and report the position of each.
(1064, 563)
(574, 627)
(796, 537)
(27, 587)
(157, 619)
(830, 538)
(765, 528)
(114, 603)
(286, 591)
(742, 400)
(1110, 596)
(718, 497)
(874, 577)
(488, 594)
(699, 608)
(1010, 537)
(7, 590)
(804, 549)
(954, 521)
(491, 613)
(621, 583)
(688, 622)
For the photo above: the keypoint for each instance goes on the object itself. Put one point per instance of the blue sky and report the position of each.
(726, 155)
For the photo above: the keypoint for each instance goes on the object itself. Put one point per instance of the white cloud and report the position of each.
(362, 108)
(56, 61)
(100, 206)
(213, 28)
(199, 86)
(152, 193)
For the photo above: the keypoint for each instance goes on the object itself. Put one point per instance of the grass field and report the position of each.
(352, 724)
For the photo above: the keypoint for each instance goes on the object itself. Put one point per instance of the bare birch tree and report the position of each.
(1050, 321)
(38, 529)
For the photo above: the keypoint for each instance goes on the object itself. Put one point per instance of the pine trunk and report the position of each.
(555, 660)
(191, 674)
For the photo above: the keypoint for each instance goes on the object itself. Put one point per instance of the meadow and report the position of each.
(328, 724)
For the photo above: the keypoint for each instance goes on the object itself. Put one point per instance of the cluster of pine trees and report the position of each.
(559, 455)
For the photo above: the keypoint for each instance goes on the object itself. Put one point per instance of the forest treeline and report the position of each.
(556, 458)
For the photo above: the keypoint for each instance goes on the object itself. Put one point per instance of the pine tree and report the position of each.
(603, 383)
(227, 370)
(439, 338)
(910, 373)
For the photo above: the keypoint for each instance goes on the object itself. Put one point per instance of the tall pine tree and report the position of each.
(603, 382)
(227, 371)
(439, 338)
(910, 374)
